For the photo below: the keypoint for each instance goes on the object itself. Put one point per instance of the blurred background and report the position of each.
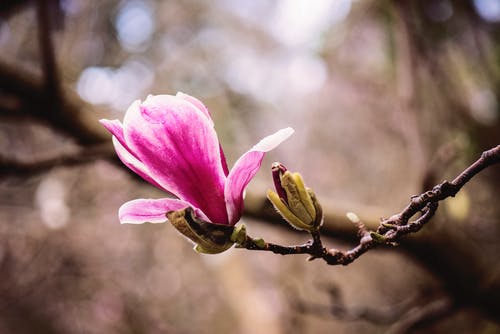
(387, 98)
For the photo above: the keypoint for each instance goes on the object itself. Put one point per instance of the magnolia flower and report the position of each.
(170, 141)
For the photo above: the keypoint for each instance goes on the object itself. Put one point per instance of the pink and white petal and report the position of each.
(270, 142)
(116, 127)
(140, 211)
(195, 102)
(134, 164)
(245, 169)
(178, 144)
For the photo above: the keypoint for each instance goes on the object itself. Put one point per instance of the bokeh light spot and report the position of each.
(135, 25)
(489, 10)
(302, 22)
(50, 199)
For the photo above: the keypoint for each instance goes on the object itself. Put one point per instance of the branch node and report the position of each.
(378, 238)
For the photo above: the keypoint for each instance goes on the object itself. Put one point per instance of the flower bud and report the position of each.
(296, 203)
(209, 238)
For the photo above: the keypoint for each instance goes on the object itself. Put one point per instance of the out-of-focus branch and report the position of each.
(338, 309)
(22, 94)
(42, 96)
(48, 57)
(424, 316)
(9, 7)
(390, 230)
(416, 311)
(42, 164)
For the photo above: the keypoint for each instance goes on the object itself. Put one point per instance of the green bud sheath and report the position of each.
(296, 203)
(209, 238)
(285, 212)
(293, 198)
(176, 218)
(318, 221)
(305, 198)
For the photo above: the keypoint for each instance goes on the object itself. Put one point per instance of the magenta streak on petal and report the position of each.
(223, 161)
(179, 146)
(277, 170)
(141, 211)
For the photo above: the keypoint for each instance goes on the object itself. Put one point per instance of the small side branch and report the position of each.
(390, 230)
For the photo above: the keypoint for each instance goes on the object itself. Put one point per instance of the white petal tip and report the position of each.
(105, 121)
(270, 142)
(134, 106)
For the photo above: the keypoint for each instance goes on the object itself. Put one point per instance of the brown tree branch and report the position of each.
(22, 93)
(48, 57)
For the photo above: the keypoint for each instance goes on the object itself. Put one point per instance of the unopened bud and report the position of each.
(296, 203)
(209, 238)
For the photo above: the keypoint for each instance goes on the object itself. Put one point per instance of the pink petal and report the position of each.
(134, 164)
(179, 146)
(195, 102)
(116, 128)
(128, 158)
(141, 211)
(198, 104)
(244, 170)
